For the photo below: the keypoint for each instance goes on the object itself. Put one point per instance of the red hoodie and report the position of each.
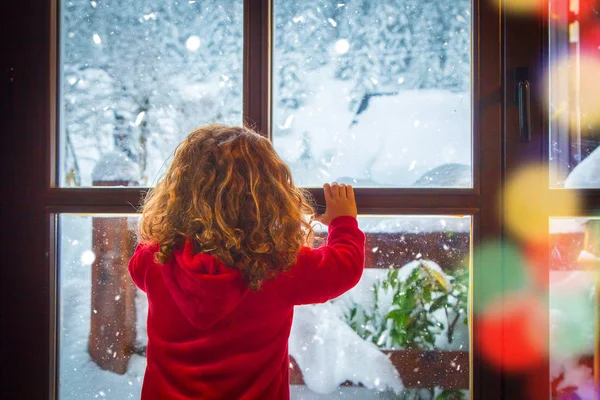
(210, 337)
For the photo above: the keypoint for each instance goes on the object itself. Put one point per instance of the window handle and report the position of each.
(523, 100)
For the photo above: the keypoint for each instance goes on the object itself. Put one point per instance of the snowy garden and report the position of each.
(374, 93)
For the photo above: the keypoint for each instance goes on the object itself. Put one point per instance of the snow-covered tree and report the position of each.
(165, 67)
(304, 32)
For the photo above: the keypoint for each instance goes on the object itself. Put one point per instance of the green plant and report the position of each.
(406, 314)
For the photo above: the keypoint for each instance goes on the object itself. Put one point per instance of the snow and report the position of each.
(587, 256)
(79, 377)
(329, 353)
(575, 376)
(408, 268)
(374, 107)
(567, 225)
(115, 166)
(413, 138)
(159, 50)
(414, 224)
(193, 43)
(586, 174)
(342, 46)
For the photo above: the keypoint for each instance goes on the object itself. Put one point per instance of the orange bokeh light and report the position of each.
(523, 7)
(537, 256)
(528, 204)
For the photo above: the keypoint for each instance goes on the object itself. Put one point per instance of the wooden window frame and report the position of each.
(525, 45)
(257, 113)
(30, 150)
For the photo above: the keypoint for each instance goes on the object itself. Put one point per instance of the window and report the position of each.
(425, 135)
(416, 260)
(560, 60)
(574, 154)
(136, 78)
(574, 298)
(574, 106)
(374, 93)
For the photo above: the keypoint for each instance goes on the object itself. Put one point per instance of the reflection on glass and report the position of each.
(574, 302)
(573, 86)
(374, 93)
(136, 77)
(407, 315)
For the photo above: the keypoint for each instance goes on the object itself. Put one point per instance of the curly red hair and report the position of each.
(228, 192)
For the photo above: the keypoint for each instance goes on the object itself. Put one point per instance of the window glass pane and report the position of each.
(136, 77)
(373, 92)
(574, 302)
(573, 87)
(102, 335)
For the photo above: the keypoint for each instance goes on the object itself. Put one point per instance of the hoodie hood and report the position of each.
(204, 289)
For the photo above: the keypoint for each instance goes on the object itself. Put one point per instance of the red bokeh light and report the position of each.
(511, 339)
(590, 40)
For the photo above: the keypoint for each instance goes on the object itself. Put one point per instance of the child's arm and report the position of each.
(329, 271)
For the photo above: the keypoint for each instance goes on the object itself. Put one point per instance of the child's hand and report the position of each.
(339, 201)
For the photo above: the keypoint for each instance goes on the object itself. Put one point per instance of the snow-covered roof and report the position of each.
(115, 166)
(567, 225)
(586, 174)
(412, 224)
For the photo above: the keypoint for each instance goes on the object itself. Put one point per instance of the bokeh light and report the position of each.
(510, 332)
(528, 204)
(193, 43)
(503, 274)
(590, 89)
(537, 260)
(583, 9)
(523, 7)
(88, 257)
(342, 46)
(580, 71)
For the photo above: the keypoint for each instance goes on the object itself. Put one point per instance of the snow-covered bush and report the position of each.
(411, 308)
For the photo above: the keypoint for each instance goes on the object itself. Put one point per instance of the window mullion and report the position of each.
(257, 65)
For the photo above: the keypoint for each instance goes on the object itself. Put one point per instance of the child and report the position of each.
(224, 260)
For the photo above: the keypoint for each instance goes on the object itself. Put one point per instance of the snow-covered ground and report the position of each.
(394, 141)
(414, 138)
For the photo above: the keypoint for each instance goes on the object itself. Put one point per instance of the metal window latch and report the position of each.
(523, 98)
